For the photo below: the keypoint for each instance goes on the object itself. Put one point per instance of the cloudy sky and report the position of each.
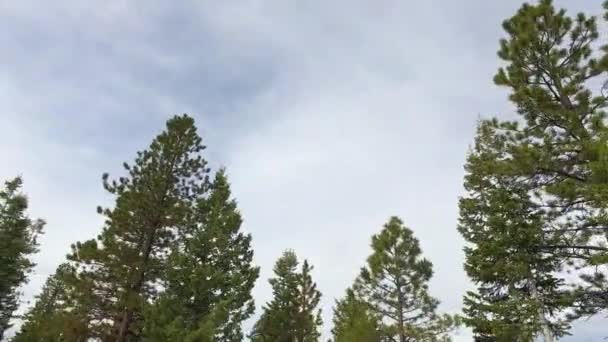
(330, 116)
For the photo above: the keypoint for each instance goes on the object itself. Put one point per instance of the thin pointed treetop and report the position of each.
(309, 315)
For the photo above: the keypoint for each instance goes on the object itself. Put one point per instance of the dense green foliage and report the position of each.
(209, 276)
(536, 202)
(517, 287)
(292, 314)
(354, 320)
(18, 234)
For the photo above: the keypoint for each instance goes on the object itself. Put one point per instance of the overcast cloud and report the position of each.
(330, 116)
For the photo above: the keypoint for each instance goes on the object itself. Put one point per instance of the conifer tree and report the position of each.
(55, 317)
(120, 270)
(561, 147)
(395, 285)
(277, 320)
(18, 241)
(209, 275)
(293, 314)
(308, 316)
(518, 295)
(556, 152)
(354, 321)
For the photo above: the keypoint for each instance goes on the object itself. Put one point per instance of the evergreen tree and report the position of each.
(554, 157)
(277, 320)
(18, 240)
(55, 317)
(561, 147)
(395, 285)
(308, 315)
(518, 295)
(354, 321)
(119, 272)
(292, 315)
(209, 275)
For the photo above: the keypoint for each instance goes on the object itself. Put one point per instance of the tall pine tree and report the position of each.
(121, 270)
(209, 275)
(18, 241)
(293, 314)
(395, 285)
(561, 147)
(555, 157)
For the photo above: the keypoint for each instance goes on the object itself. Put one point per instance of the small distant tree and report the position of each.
(395, 285)
(18, 241)
(293, 314)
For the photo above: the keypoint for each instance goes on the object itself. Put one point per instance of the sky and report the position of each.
(330, 116)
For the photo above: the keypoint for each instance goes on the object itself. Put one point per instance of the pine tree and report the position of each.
(209, 275)
(561, 148)
(518, 294)
(395, 285)
(555, 151)
(55, 317)
(18, 241)
(277, 320)
(354, 321)
(119, 272)
(292, 315)
(308, 316)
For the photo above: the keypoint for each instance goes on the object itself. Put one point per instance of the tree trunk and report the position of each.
(127, 315)
(544, 323)
(401, 319)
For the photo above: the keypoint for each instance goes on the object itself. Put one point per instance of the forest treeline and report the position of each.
(172, 263)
